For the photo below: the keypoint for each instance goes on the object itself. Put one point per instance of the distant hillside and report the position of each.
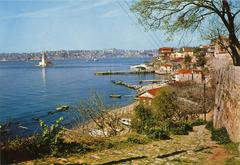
(78, 54)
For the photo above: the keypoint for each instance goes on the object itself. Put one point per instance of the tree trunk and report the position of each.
(234, 43)
(234, 46)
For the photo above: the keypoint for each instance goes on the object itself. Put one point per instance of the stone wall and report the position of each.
(227, 100)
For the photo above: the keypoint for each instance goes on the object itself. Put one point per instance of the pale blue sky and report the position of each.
(36, 25)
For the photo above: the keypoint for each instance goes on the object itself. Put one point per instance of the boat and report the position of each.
(115, 96)
(139, 67)
(125, 121)
(44, 63)
(62, 108)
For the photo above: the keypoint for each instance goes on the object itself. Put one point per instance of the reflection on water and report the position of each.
(44, 77)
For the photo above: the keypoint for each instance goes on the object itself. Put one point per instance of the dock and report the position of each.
(131, 86)
(122, 72)
(153, 81)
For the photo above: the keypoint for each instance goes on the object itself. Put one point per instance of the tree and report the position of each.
(187, 60)
(164, 105)
(184, 15)
(200, 60)
(143, 118)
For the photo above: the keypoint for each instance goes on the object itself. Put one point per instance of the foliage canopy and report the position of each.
(213, 18)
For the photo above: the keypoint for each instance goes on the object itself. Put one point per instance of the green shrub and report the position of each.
(48, 140)
(158, 133)
(209, 126)
(180, 128)
(143, 119)
(221, 136)
(198, 122)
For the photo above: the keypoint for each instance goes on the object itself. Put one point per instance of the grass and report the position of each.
(24, 149)
(233, 149)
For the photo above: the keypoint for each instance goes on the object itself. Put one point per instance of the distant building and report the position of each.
(189, 75)
(219, 46)
(165, 50)
(219, 51)
(166, 68)
(176, 55)
(204, 47)
(181, 53)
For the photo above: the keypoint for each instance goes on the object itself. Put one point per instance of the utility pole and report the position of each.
(204, 95)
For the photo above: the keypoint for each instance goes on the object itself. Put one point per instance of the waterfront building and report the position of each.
(189, 75)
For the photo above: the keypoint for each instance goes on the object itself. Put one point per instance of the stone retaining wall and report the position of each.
(227, 101)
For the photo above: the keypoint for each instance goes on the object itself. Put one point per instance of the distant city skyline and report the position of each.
(40, 25)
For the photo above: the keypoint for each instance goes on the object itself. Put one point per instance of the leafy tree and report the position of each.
(212, 17)
(143, 118)
(164, 105)
(200, 60)
(187, 60)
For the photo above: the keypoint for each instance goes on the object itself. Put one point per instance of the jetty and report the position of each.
(122, 72)
(153, 81)
(131, 86)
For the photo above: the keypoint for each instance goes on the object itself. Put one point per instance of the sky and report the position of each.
(40, 25)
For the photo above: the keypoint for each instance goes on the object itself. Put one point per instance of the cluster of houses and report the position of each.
(172, 62)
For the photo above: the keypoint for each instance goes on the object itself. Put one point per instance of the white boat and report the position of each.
(62, 108)
(139, 67)
(125, 121)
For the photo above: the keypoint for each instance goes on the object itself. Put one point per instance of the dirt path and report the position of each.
(195, 148)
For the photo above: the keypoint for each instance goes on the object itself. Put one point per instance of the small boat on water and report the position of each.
(62, 108)
(115, 96)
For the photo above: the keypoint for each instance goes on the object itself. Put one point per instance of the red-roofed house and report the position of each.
(188, 75)
(165, 50)
(148, 95)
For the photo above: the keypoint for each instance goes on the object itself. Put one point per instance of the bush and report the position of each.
(198, 122)
(164, 105)
(180, 128)
(143, 119)
(48, 140)
(221, 136)
(209, 126)
(158, 133)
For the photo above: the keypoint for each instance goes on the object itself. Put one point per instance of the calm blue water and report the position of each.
(27, 91)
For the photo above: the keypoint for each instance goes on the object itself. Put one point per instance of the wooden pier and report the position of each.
(122, 72)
